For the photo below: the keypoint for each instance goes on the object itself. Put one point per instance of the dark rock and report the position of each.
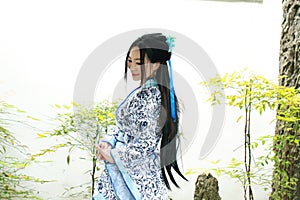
(206, 188)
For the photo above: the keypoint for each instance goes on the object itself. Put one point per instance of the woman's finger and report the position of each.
(106, 154)
(104, 145)
(99, 155)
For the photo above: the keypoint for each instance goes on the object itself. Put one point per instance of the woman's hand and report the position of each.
(104, 152)
(104, 145)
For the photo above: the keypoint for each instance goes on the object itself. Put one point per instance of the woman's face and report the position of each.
(134, 64)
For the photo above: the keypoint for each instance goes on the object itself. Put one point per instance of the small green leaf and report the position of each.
(41, 135)
(239, 118)
(33, 118)
(67, 107)
(21, 111)
(215, 162)
(68, 159)
(260, 110)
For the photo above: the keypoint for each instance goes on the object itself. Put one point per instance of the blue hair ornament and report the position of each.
(171, 43)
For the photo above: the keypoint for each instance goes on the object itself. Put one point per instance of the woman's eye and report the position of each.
(138, 63)
(129, 61)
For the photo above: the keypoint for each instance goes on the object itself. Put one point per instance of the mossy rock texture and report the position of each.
(206, 188)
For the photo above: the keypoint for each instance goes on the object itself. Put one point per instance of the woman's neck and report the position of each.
(149, 78)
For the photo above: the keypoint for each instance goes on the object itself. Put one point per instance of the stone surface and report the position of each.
(206, 188)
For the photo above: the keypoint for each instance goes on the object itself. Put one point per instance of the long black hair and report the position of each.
(154, 46)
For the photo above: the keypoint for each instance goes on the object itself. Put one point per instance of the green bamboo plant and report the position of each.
(14, 156)
(81, 128)
(253, 93)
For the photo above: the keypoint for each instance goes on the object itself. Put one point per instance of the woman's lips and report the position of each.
(134, 74)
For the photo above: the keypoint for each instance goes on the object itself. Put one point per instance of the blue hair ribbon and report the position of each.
(172, 95)
(171, 43)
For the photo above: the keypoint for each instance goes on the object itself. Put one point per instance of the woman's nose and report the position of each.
(132, 65)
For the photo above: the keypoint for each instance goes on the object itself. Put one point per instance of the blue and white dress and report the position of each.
(136, 172)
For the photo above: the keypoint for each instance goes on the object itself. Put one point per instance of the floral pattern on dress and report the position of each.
(135, 148)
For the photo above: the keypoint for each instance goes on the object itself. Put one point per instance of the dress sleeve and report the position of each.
(110, 138)
(143, 129)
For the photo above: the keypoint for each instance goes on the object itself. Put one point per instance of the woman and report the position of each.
(134, 166)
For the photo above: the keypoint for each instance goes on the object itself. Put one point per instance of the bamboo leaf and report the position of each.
(68, 159)
(239, 118)
(33, 118)
(41, 135)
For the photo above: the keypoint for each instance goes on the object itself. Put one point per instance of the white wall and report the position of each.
(43, 45)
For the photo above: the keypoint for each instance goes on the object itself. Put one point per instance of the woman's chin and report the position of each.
(136, 78)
